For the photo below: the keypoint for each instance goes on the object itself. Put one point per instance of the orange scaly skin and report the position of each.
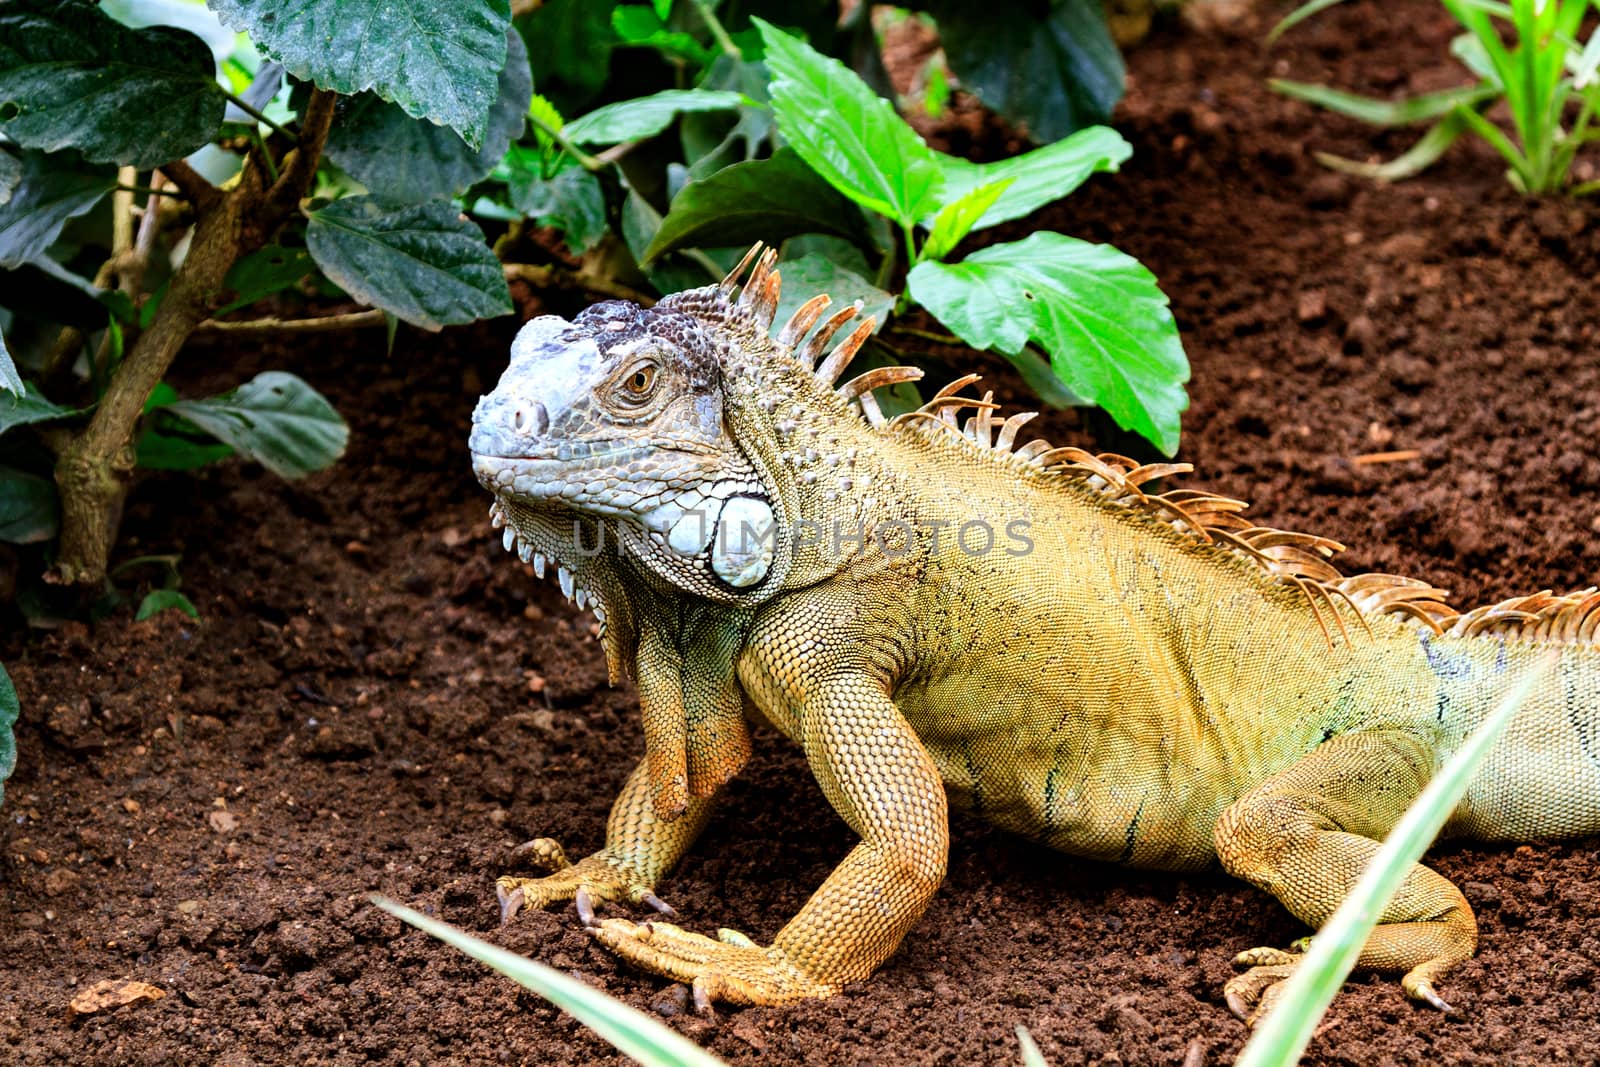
(1128, 677)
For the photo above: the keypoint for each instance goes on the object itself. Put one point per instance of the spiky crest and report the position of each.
(1298, 560)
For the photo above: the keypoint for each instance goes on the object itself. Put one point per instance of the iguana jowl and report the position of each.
(1137, 678)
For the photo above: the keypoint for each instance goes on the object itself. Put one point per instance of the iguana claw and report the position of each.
(730, 968)
(589, 883)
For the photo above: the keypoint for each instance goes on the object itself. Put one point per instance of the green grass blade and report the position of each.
(1499, 142)
(1414, 109)
(1415, 160)
(1587, 63)
(1281, 1037)
(1299, 15)
(1031, 1056)
(633, 1032)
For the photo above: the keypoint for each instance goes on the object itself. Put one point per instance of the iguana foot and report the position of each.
(588, 882)
(1251, 995)
(730, 968)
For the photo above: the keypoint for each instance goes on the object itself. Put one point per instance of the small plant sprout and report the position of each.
(1546, 77)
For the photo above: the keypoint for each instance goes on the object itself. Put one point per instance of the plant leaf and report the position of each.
(570, 44)
(958, 217)
(10, 380)
(641, 27)
(813, 274)
(28, 510)
(630, 120)
(1280, 1039)
(1423, 107)
(27, 405)
(437, 61)
(1050, 76)
(1414, 160)
(633, 1033)
(263, 272)
(159, 600)
(72, 77)
(1031, 1056)
(275, 419)
(402, 158)
(1095, 311)
(161, 450)
(850, 135)
(10, 711)
(10, 176)
(1037, 177)
(422, 262)
(1299, 15)
(572, 202)
(764, 199)
(55, 187)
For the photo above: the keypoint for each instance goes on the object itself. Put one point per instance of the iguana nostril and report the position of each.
(531, 419)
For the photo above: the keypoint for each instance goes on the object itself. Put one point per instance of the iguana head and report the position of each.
(655, 436)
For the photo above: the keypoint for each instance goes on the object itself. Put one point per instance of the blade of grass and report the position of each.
(1281, 1037)
(633, 1033)
(1405, 112)
(1299, 15)
(1417, 158)
(1499, 142)
(1031, 1056)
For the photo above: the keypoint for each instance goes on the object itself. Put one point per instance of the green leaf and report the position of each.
(640, 27)
(424, 262)
(10, 380)
(1095, 311)
(55, 187)
(850, 135)
(159, 600)
(275, 419)
(161, 450)
(639, 222)
(437, 61)
(811, 275)
(1280, 1039)
(1050, 76)
(958, 217)
(1421, 108)
(630, 120)
(263, 272)
(1299, 15)
(10, 711)
(1414, 160)
(412, 160)
(633, 1033)
(28, 510)
(27, 406)
(543, 117)
(572, 202)
(1037, 177)
(1031, 1056)
(72, 77)
(765, 199)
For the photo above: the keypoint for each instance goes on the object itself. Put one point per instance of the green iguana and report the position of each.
(938, 617)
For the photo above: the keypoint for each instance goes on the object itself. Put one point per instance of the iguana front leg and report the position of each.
(876, 773)
(639, 849)
(1306, 836)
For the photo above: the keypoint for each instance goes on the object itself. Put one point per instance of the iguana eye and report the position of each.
(641, 382)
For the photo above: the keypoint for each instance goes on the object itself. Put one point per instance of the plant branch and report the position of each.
(585, 160)
(928, 335)
(259, 117)
(147, 190)
(352, 320)
(553, 277)
(299, 168)
(201, 193)
(719, 33)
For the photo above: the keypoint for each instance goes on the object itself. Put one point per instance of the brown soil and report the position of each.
(379, 699)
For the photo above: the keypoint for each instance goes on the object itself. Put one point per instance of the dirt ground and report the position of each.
(379, 698)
